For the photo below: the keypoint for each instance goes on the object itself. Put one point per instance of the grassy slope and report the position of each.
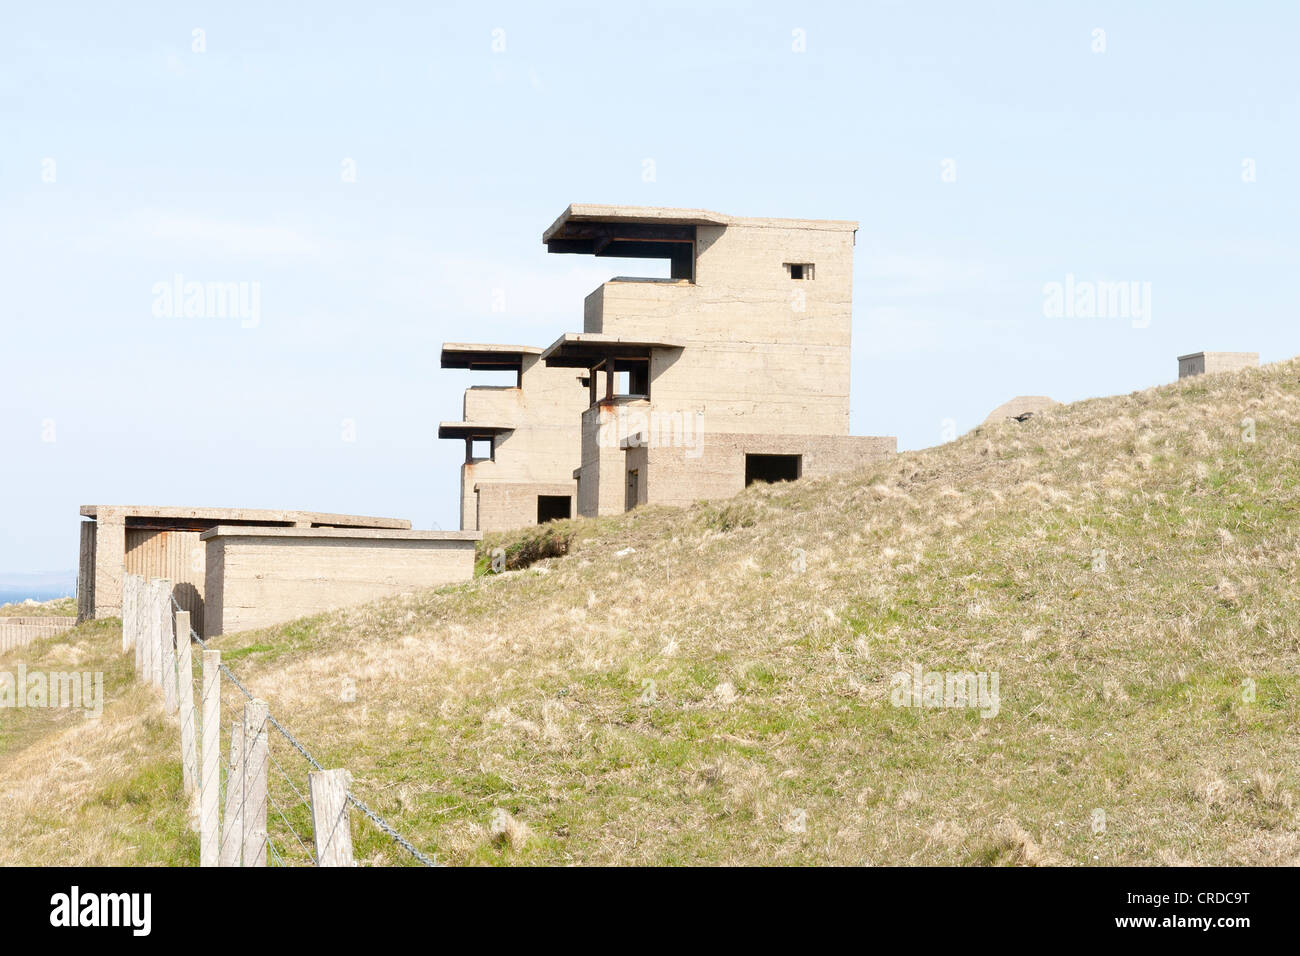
(104, 790)
(767, 734)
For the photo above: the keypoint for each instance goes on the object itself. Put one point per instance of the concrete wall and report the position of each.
(763, 353)
(110, 550)
(678, 467)
(764, 356)
(514, 505)
(602, 487)
(259, 577)
(670, 476)
(137, 536)
(543, 449)
(1204, 363)
(18, 632)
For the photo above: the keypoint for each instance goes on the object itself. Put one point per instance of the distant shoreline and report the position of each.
(8, 596)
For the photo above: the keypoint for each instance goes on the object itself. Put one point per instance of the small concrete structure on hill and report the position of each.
(260, 576)
(1206, 363)
(163, 542)
(1020, 407)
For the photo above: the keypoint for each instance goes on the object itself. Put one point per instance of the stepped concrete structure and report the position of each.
(521, 441)
(733, 369)
(163, 542)
(1206, 363)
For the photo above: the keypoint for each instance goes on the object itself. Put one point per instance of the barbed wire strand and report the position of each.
(296, 835)
(374, 818)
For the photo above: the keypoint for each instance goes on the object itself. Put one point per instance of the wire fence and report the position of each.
(290, 839)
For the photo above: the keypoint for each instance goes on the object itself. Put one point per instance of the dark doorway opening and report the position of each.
(772, 468)
(553, 507)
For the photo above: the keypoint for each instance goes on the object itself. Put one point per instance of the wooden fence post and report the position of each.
(256, 759)
(169, 635)
(137, 607)
(128, 597)
(232, 821)
(210, 772)
(329, 817)
(152, 640)
(137, 622)
(185, 698)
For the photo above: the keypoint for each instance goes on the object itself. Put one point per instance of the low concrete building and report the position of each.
(521, 440)
(261, 576)
(1205, 363)
(20, 631)
(163, 542)
(733, 369)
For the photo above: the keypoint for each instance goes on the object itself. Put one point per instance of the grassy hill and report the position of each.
(712, 685)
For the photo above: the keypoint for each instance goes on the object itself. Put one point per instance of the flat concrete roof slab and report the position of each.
(577, 349)
(245, 514)
(470, 429)
(598, 212)
(485, 356)
(375, 534)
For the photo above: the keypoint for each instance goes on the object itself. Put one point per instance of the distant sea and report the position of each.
(35, 594)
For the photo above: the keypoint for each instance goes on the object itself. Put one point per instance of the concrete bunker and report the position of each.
(164, 542)
(1207, 363)
(261, 576)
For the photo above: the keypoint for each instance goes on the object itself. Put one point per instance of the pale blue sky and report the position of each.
(225, 166)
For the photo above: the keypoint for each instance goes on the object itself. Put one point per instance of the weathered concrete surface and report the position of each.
(1207, 363)
(309, 519)
(505, 504)
(671, 476)
(751, 337)
(258, 577)
(536, 437)
(1020, 405)
(163, 541)
(18, 632)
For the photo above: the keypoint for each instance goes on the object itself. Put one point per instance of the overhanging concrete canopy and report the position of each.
(471, 430)
(485, 357)
(589, 349)
(581, 220)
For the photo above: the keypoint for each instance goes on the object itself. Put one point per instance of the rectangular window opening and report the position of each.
(553, 508)
(632, 377)
(772, 468)
(800, 270)
(481, 449)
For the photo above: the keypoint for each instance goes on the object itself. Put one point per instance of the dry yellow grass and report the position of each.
(59, 607)
(712, 685)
